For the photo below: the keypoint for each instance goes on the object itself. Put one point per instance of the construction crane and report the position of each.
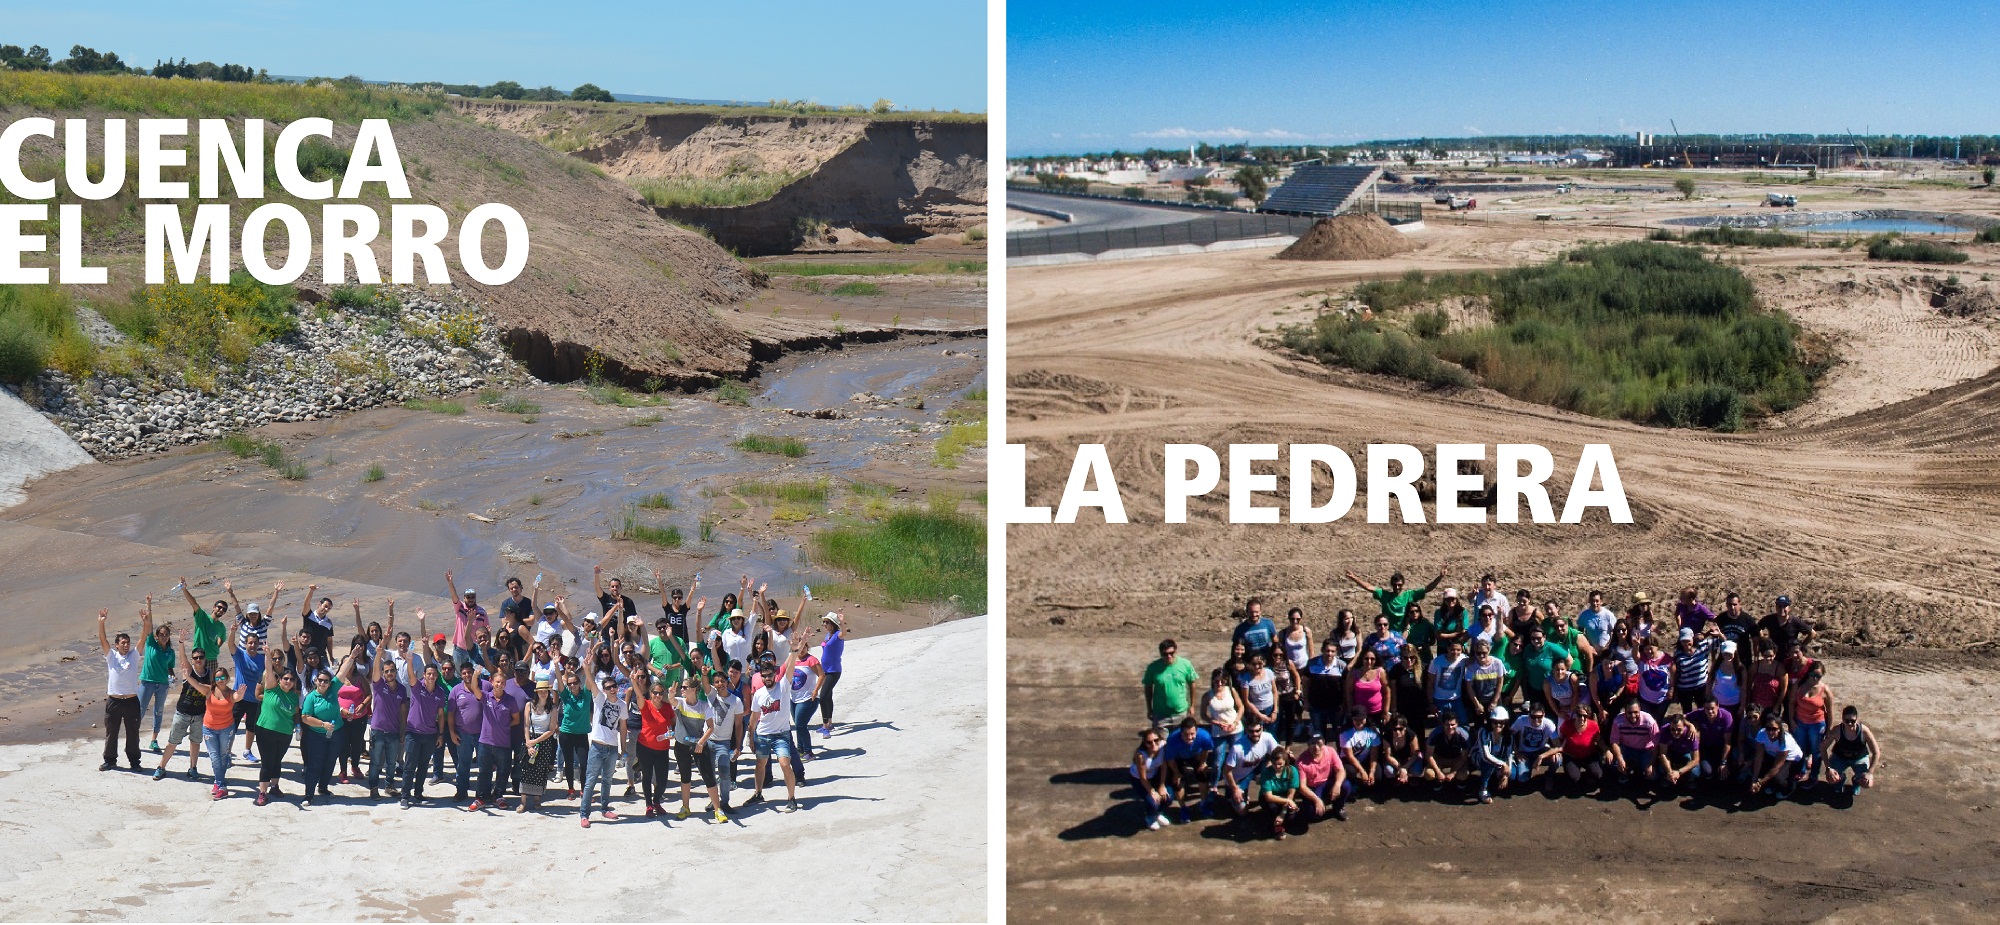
(1677, 140)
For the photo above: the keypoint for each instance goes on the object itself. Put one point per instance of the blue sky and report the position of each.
(928, 55)
(1101, 75)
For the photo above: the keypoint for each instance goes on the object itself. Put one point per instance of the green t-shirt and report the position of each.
(1278, 780)
(322, 708)
(281, 711)
(1396, 605)
(208, 632)
(573, 711)
(1167, 686)
(159, 666)
(1422, 631)
(1535, 668)
(670, 657)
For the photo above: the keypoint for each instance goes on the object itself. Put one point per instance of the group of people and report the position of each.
(506, 701)
(1488, 693)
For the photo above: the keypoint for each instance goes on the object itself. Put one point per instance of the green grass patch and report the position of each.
(708, 531)
(874, 490)
(630, 527)
(1897, 249)
(611, 393)
(858, 288)
(914, 555)
(886, 268)
(815, 492)
(50, 91)
(657, 501)
(375, 473)
(272, 455)
(781, 446)
(957, 440)
(1988, 235)
(1731, 236)
(39, 329)
(731, 392)
(435, 405)
(1647, 332)
(507, 404)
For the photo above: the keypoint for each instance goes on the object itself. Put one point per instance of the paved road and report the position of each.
(1102, 214)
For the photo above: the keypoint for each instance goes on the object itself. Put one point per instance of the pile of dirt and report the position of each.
(1353, 236)
(1972, 303)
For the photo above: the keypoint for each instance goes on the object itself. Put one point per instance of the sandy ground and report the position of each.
(892, 828)
(1872, 505)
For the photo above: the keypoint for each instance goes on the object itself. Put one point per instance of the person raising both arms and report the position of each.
(122, 666)
(316, 620)
(218, 721)
(1851, 748)
(607, 729)
(470, 620)
(772, 738)
(208, 630)
(611, 596)
(277, 716)
(1394, 599)
(156, 676)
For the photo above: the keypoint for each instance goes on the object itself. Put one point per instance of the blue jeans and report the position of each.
(1809, 736)
(154, 695)
(1637, 760)
(1452, 707)
(466, 756)
(493, 764)
(218, 743)
(597, 772)
(418, 747)
(802, 714)
(725, 767)
(318, 749)
(385, 756)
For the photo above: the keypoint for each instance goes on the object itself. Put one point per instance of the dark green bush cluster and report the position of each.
(1988, 235)
(1731, 236)
(1887, 248)
(1647, 332)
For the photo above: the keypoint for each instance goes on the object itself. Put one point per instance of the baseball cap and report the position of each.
(1499, 712)
(1784, 600)
(469, 593)
(1450, 593)
(549, 607)
(252, 607)
(1729, 647)
(1687, 633)
(438, 638)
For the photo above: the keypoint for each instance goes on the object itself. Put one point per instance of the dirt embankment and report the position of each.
(1353, 236)
(604, 273)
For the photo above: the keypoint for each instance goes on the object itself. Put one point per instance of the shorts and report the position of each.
(776, 745)
(185, 727)
(1170, 720)
(1842, 765)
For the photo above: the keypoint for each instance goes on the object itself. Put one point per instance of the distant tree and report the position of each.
(1987, 175)
(83, 60)
(506, 90)
(1686, 187)
(1410, 158)
(546, 94)
(883, 106)
(590, 93)
(1251, 181)
(1132, 192)
(1197, 182)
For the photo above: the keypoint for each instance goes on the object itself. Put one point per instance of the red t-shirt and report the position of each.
(1580, 739)
(656, 726)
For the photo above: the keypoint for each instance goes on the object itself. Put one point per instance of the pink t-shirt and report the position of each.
(1315, 773)
(351, 697)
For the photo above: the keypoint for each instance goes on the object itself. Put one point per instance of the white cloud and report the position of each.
(1223, 134)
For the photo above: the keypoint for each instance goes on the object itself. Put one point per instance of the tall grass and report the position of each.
(914, 555)
(1887, 248)
(919, 268)
(271, 454)
(960, 438)
(38, 329)
(657, 501)
(734, 190)
(781, 446)
(630, 527)
(1988, 235)
(858, 288)
(1731, 236)
(1646, 332)
(814, 492)
(48, 91)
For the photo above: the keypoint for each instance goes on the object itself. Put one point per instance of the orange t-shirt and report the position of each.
(221, 712)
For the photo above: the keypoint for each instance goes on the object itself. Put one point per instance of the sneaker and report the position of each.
(475, 807)
(683, 814)
(755, 798)
(586, 822)
(249, 755)
(825, 731)
(109, 765)
(719, 817)
(1340, 814)
(1485, 797)
(153, 746)
(792, 806)
(263, 798)
(610, 816)
(159, 773)
(217, 793)
(652, 810)
(572, 793)
(191, 775)
(1155, 824)
(373, 794)
(342, 779)
(500, 803)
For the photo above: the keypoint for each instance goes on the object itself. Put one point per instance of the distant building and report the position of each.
(1742, 156)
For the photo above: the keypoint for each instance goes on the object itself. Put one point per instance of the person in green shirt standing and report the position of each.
(1395, 600)
(1168, 686)
(277, 715)
(208, 631)
(573, 705)
(319, 712)
(156, 675)
(1536, 658)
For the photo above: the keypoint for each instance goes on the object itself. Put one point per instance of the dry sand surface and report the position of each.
(1874, 505)
(892, 828)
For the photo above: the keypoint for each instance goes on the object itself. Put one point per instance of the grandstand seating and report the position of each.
(1317, 189)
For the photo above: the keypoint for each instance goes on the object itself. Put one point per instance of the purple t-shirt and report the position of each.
(424, 706)
(495, 716)
(831, 650)
(1693, 616)
(1715, 731)
(390, 700)
(465, 711)
(517, 702)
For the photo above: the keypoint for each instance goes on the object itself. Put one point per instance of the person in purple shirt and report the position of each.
(463, 722)
(517, 696)
(497, 718)
(1691, 612)
(429, 702)
(829, 667)
(1714, 724)
(385, 724)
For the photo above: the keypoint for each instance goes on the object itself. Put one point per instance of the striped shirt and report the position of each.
(1691, 667)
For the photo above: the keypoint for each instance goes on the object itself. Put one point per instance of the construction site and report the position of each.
(1867, 494)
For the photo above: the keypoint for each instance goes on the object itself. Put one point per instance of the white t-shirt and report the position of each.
(1531, 736)
(607, 721)
(772, 716)
(722, 713)
(736, 646)
(1243, 760)
(781, 645)
(123, 677)
(1450, 674)
(546, 630)
(802, 679)
(1786, 744)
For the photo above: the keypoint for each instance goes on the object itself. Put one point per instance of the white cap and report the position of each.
(1499, 712)
(1729, 647)
(1451, 592)
(1687, 633)
(468, 593)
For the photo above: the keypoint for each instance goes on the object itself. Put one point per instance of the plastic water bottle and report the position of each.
(177, 586)
(538, 579)
(809, 592)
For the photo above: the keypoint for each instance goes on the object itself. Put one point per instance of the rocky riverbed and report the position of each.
(340, 360)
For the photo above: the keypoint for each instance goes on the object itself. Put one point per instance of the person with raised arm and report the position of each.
(424, 722)
(189, 708)
(388, 719)
(831, 652)
(277, 715)
(122, 666)
(471, 618)
(724, 711)
(320, 713)
(607, 727)
(496, 740)
(218, 721)
(617, 606)
(316, 620)
(208, 630)
(249, 655)
(772, 738)
(1394, 599)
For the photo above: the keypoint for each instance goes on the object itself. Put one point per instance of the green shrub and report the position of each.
(630, 527)
(1888, 248)
(24, 349)
(781, 446)
(813, 493)
(375, 473)
(1731, 236)
(1988, 235)
(731, 392)
(657, 501)
(1716, 407)
(858, 288)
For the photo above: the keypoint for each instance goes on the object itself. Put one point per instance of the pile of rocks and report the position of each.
(340, 360)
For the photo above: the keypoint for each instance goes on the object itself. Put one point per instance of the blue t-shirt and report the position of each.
(1258, 635)
(830, 651)
(1388, 650)
(1178, 748)
(1362, 742)
(249, 674)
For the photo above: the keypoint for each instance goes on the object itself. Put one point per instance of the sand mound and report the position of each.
(1348, 237)
(1972, 303)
